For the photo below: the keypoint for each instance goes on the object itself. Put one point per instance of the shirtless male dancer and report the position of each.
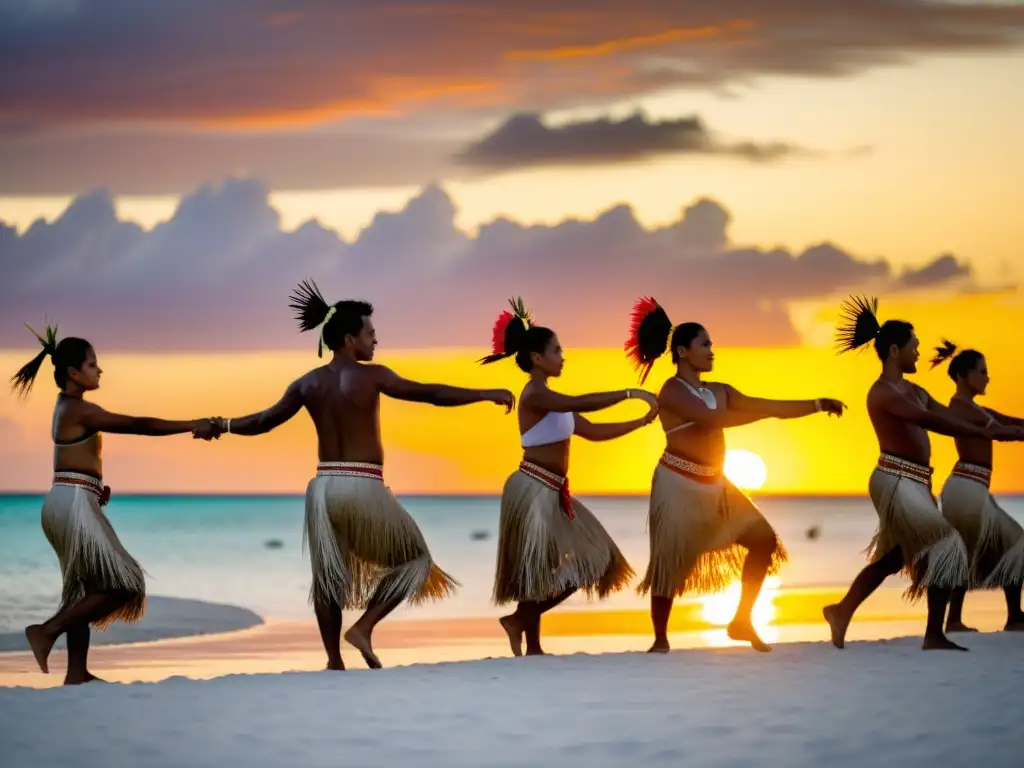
(102, 583)
(912, 536)
(366, 551)
(704, 531)
(995, 541)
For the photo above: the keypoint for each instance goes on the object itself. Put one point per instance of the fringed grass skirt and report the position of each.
(542, 551)
(92, 558)
(909, 518)
(994, 540)
(696, 521)
(364, 548)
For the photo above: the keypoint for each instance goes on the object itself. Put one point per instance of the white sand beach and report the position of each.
(882, 703)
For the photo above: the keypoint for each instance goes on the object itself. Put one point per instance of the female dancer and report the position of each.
(102, 582)
(994, 540)
(549, 544)
(699, 522)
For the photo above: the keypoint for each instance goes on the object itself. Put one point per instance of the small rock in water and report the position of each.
(273, 544)
(480, 535)
(813, 532)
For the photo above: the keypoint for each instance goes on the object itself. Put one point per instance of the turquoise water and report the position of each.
(214, 548)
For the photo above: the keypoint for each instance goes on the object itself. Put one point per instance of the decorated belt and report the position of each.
(690, 469)
(81, 480)
(975, 472)
(350, 469)
(894, 465)
(552, 481)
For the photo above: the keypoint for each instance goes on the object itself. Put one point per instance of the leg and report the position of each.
(533, 627)
(91, 608)
(360, 634)
(934, 639)
(868, 580)
(514, 625)
(1014, 615)
(661, 610)
(78, 657)
(954, 621)
(328, 618)
(761, 545)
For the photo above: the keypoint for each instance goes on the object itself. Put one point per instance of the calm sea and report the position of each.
(247, 550)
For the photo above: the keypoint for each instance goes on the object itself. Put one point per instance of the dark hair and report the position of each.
(859, 324)
(649, 335)
(515, 334)
(67, 353)
(311, 309)
(961, 364)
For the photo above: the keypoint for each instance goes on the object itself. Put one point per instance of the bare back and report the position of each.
(343, 399)
(895, 434)
(76, 448)
(972, 450)
(703, 445)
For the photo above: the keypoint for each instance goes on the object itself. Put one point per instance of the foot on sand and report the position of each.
(361, 643)
(1016, 625)
(41, 645)
(535, 652)
(958, 626)
(744, 632)
(940, 643)
(838, 624)
(515, 631)
(88, 678)
(660, 646)
(335, 666)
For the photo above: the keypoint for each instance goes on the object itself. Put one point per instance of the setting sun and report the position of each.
(745, 469)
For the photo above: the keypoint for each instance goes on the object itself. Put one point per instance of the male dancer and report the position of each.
(365, 549)
(912, 533)
(995, 541)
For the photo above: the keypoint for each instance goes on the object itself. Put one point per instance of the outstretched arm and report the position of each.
(93, 417)
(393, 385)
(992, 427)
(588, 430)
(931, 416)
(273, 417)
(1002, 418)
(688, 407)
(781, 409)
(543, 399)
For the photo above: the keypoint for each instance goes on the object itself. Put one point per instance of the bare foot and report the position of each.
(744, 631)
(940, 643)
(958, 626)
(1016, 625)
(660, 646)
(535, 652)
(41, 645)
(335, 666)
(361, 642)
(88, 677)
(515, 631)
(838, 624)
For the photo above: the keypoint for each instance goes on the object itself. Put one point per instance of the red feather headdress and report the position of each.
(500, 332)
(642, 308)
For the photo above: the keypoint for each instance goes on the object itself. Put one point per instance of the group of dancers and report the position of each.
(367, 552)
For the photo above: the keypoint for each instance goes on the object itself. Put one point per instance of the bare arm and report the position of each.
(543, 399)
(600, 432)
(691, 408)
(934, 417)
(1002, 418)
(393, 385)
(93, 417)
(273, 417)
(778, 409)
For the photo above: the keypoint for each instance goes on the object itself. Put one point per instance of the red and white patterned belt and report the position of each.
(894, 465)
(350, 469)
(975, 472)
(554, 482)
(690, 469)
(81, 480)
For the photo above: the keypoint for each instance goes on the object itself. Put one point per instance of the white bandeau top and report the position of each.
(705, 394)
(554, 427)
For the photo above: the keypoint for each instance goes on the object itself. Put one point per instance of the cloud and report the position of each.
(91, 88)
(525, 140)
(218, 273)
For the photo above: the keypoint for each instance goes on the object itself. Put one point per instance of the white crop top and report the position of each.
(554, 427)
(705, 394)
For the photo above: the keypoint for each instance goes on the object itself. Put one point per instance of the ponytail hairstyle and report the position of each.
(335, 321)
(858, 325)
(67, 353)
(960, 363)
(515, 335)
(651, 333)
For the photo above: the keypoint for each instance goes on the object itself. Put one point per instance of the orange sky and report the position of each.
(471, 450)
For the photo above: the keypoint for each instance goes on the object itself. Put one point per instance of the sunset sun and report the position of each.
(745, 469)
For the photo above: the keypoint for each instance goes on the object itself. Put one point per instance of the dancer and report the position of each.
(994, 540)
(912, 535)
(102, 582)
(366, 551)
(700, 522)
(549, 544)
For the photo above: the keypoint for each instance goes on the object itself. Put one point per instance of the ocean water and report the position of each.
(214, 548)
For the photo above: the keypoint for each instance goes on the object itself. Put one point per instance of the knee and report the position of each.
(892, 563)
(761, 541)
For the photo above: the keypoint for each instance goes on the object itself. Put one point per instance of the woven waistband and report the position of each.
(552, 480)
(350, 469)
(79, 480)
(702, 473)
(894, 465)
(974, 472)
